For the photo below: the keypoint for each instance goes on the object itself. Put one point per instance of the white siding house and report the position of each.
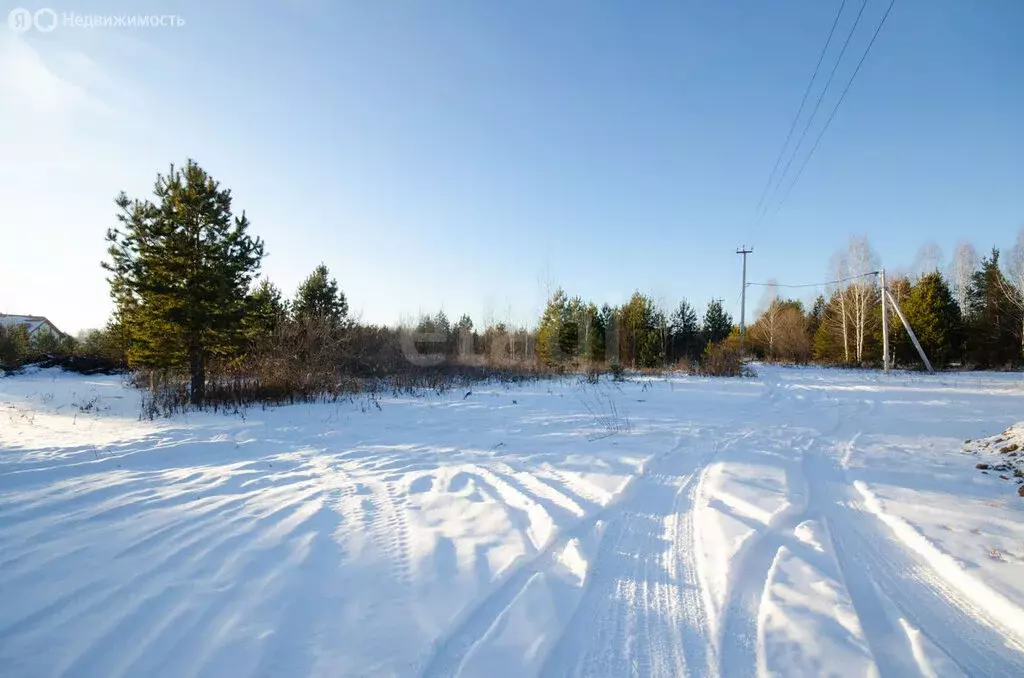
(33, 324)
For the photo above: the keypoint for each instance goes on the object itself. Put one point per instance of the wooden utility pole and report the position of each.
(885, 328)
(743, 295)
(910, 331)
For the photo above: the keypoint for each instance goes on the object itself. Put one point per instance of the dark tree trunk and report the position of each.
(197, 368)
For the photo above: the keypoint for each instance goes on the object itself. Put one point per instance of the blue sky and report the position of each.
(469, 155)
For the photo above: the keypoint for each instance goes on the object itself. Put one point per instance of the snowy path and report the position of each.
(807, 522)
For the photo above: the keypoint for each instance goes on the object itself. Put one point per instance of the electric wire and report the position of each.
(817, 105)
(803, 102)
(820, 284)
(836, 107)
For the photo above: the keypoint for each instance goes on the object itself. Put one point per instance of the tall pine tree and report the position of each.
(319, 298)
(717, 323)
(181, 266)
(550, 330)
(685, 329)
(640, 332)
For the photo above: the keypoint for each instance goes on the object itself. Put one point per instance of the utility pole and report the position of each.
(885, 327)
(910, 331)
(743, 295)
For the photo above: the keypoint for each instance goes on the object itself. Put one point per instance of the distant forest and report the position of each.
(191, 307)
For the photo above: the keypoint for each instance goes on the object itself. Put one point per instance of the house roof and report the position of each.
(31, 322)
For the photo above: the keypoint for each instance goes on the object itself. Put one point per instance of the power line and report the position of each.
(820, 284)
(836, 107)
(817, 105)
(803, 101)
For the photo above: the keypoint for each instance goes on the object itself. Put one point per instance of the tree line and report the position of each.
(637, 334)
(191, 308)
(969, 315)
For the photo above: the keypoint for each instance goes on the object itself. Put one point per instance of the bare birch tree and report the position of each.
(840, 270)
(862, 290)
(767, 324)
(792, 342)
(964, 264)
(928, 259)
(1014, 278)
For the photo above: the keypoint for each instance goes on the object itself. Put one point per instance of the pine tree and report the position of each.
(816, 315)
(685, 333)
(572, 328)
(180, 269)
(462, 339)
(434, 335)
(50, 343)
(14, 345)
(441, 324)
(549, 332)
(267, 309)
(827, 345)
(465, 324)
(593, 342)
(640, 332)
(610, 325)
(319, 298)
(717, 323)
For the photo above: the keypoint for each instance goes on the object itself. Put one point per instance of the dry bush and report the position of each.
(724, 359)
(608, 418)
(685, 365)
(308, 360)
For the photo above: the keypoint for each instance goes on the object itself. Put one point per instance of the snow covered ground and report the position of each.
(806, 522)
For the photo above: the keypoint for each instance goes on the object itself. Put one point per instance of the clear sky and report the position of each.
(470, 154)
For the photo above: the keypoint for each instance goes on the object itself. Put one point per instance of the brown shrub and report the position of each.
(723, 360)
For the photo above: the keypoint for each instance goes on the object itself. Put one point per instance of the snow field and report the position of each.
(807, 522)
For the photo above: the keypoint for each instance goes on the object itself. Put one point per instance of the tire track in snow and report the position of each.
(740, 631)
(888, 586)
(742, 649)
(739, 646)
(642, 612)
(1007, 617)
(472, 626)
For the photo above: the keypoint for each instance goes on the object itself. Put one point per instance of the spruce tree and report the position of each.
(816, 315)
(717, 323)
(319, 298)
(934, 316)
(994, 325)
(181, 266)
